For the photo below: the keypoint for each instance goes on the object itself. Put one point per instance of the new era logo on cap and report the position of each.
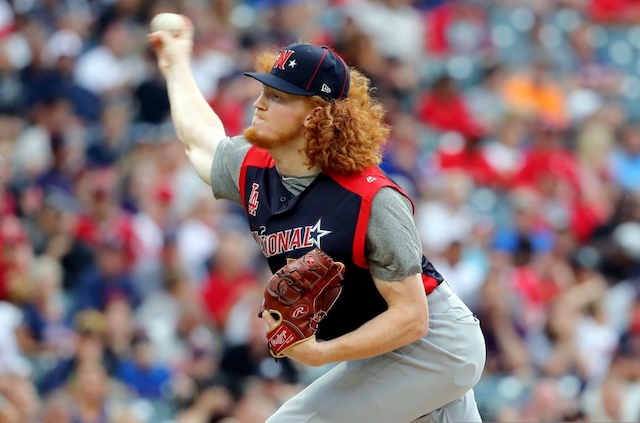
(305, 69)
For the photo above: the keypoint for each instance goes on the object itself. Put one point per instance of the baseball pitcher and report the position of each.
(350, 283)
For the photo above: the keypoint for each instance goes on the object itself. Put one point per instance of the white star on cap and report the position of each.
(292, 63)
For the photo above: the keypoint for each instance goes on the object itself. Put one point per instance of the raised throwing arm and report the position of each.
(197, 125)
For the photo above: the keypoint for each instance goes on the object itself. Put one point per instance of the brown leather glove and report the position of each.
(298, 296)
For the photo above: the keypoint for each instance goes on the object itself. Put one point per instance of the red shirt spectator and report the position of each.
(230, 277)
(443, 108)
(615, 11)
(536, 291)
(90, 230)
(465, 154)
(229, 107)
(440, 20)
(549, 158)
(14, 256)
(471, 160)
(220, 293)
(105, 217)
(558, 163)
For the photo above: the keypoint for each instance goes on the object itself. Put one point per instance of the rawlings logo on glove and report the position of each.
(298, 296)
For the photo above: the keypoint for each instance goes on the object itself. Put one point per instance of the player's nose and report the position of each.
(260, 103)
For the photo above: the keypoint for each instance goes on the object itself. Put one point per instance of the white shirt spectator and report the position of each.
(99, 70)
(147, 272)
(13, 43)
(503, 158)
(619, 396)
(159, 315)
(32, 152)
(64, 42)
(598, 343)
(208, 68)
(396, 32)
(439, 224)
(11, 359)
(465, 278)
(197, 241)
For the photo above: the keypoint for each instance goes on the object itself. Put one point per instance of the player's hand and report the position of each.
(172, 47)
(307, 352)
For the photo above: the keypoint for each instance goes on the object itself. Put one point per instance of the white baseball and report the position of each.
(167, 22)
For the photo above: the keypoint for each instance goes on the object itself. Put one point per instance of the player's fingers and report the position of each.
(269, 319)
(187, 31)
(154, 41)
(162, 36)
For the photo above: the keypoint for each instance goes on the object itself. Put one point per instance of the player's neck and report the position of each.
(292, 162)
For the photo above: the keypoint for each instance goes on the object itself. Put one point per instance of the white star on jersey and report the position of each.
(316, 233)
(292, 63)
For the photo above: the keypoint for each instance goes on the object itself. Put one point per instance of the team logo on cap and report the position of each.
(282, 59)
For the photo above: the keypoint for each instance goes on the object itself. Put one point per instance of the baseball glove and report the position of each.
(299, 296)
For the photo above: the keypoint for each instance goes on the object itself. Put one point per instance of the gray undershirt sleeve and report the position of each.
(225, 169)
(393, 247)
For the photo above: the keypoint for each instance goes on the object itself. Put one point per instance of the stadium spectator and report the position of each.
(514, 129)
(625, 160)
(141, 374)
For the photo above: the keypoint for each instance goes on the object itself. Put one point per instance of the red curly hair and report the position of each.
(348, 135)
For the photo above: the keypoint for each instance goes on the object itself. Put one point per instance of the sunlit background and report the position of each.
(129, 295)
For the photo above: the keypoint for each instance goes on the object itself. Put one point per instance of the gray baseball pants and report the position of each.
(428, 381)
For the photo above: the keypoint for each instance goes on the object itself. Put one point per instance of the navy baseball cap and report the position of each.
(305, 69)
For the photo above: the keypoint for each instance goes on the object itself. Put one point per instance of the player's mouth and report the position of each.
(256, 119)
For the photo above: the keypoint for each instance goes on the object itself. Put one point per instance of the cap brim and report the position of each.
(278, 83)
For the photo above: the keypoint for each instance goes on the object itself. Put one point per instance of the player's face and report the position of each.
(278, 119)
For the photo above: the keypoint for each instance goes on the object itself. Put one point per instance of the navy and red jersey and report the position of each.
(332, 213)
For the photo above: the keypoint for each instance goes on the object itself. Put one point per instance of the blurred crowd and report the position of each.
(129, 295)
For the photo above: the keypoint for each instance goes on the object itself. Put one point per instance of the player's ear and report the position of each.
(312, 115)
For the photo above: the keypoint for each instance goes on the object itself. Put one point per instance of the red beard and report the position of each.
(268, 142)
(259, 141)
